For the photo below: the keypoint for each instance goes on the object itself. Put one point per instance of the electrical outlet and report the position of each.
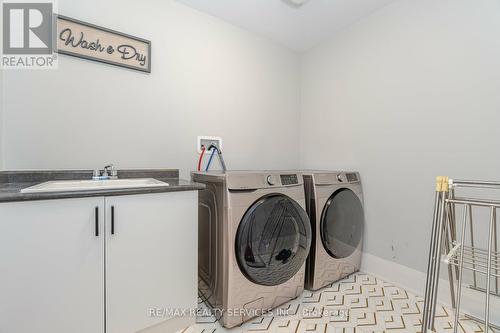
(207, 141)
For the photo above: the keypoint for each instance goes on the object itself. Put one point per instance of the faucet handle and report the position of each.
(114, 172)
(96, 174)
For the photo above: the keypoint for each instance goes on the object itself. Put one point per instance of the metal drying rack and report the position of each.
(458, 255)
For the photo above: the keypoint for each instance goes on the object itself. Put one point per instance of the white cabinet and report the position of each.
(52, 266)
(151, 260)
(98, 265)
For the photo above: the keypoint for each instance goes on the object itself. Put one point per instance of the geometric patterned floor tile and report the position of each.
(359, 303)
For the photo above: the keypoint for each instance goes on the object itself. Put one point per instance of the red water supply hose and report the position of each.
(201, 157)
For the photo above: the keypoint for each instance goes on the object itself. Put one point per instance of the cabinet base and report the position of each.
(170, 325)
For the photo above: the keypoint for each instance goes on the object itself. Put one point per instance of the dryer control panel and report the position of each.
(351, 177)
(335, 177)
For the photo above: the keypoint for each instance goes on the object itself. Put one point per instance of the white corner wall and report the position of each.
(208, 78)
(1, 119)
(2, 132)
(1, 99)
(408, 93)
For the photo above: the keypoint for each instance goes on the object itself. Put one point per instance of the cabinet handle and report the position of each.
(97, 221)
(112, 220)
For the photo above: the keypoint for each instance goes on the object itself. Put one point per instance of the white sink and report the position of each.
(92, 185)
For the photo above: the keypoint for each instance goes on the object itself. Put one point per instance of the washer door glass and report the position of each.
(273, 240)
(342, 223)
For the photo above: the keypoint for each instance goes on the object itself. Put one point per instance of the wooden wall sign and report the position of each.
(88, 41)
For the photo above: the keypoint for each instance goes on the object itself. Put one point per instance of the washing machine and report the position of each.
(334, 203)
(254, 238)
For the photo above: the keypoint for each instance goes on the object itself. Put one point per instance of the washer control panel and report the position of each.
(289, 179)
(265, 179)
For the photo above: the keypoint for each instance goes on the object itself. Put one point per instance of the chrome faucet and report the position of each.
(108, 172)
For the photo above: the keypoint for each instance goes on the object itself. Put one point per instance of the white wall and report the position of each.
(1, 99)
(1, 119)
(208, 78)
(409, 93)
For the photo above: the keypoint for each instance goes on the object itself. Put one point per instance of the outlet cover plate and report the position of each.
(209, 140)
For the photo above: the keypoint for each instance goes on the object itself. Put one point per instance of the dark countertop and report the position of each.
(12, 182)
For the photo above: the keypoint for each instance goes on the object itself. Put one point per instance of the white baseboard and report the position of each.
(171, 325)
(403, 276)
(414, 281)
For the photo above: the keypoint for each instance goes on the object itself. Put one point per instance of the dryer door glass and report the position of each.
(342, 223)
(273, 240)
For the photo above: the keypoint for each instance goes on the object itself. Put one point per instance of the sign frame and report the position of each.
(58, 17)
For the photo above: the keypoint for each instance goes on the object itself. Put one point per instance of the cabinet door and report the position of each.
(52, 266)
(151, 260)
